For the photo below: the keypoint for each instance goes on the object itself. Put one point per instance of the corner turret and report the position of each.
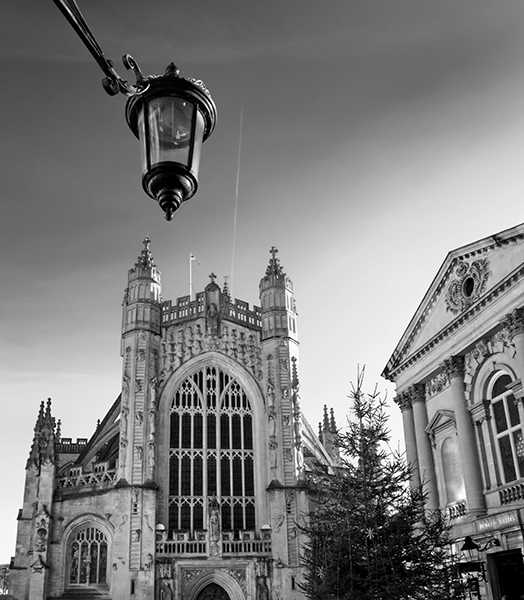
(279, 315)
(143, 295)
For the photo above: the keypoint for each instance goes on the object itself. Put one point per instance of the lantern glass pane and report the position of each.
(170, 127)
(143, 140)
(197, 144)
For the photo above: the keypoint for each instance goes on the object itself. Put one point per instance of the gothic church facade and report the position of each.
(193, 484)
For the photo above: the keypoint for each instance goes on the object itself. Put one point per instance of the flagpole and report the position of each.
(190, 275)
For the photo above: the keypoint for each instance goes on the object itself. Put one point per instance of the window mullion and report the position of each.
(204, 455)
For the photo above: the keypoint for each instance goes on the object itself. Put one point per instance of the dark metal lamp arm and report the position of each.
(113, 83)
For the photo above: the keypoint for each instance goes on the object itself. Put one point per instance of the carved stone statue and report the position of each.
(214, 520)
(212, 319)
(262, 591)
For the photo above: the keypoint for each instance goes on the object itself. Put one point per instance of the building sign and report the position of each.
(506, 519)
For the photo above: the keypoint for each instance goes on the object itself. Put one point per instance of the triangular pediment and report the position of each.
(471, 277)
(441, 420)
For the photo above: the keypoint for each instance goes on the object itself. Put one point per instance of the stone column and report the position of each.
(454, 369)
(404, 402)
(424, 449)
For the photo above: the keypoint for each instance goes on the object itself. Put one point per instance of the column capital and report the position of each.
(453, 366)
(514, 322)
(403, 399)
(417, 392)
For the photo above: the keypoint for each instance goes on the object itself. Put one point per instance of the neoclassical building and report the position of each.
(459, 372)
(193, 483)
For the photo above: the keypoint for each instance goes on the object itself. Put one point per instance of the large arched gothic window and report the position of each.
(508, 429)
(211, 452)
(88, 557)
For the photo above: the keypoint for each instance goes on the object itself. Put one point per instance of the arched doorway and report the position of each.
(213, 592)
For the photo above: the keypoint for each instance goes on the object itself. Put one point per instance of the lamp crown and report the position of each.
(172, 70)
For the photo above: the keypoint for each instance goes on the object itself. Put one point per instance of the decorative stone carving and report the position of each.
(135, 535)
(469, 284)
(212, 319)
(271, 416)
(280, 521)
(189, 575)
(417, 392)
(123, 422)
(139, 452)
(262, 591)
(151, 459)
(123, 521)
(261, 569)
(122, 457)
(214, 527)
(454, 366)
(514, 322)
(165, 570)
(239, 575)
(125, 390)
(436, 385)
(41, 533)
(166, 590)
(273, 455)
(38, 565)
(183, 343)
(403, 399)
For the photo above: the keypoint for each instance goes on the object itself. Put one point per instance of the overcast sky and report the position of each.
(377, 136)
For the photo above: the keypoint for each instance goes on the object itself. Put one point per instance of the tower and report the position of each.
(141, 323)
(29, 569)
(279, 340)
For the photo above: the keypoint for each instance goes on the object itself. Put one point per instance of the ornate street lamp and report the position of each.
(172, 117)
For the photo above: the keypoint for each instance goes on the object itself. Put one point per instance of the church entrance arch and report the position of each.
(213, 592)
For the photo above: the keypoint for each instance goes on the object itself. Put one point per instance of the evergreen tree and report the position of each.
(370, 537)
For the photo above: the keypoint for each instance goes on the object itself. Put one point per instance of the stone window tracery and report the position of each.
(211, 452)
(88, 557)
(507, 428)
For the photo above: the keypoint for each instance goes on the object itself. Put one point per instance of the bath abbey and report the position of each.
(195, 482)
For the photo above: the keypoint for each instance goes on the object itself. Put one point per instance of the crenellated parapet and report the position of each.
(183, 310)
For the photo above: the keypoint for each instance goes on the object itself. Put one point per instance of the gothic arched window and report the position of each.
(211, 452)
(88, 557)
(508, 429)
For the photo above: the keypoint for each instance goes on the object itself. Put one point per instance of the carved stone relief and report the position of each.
(469, 284)
(183, 343)
(437, 384)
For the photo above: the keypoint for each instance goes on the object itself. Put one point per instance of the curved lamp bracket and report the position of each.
(112, 82)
